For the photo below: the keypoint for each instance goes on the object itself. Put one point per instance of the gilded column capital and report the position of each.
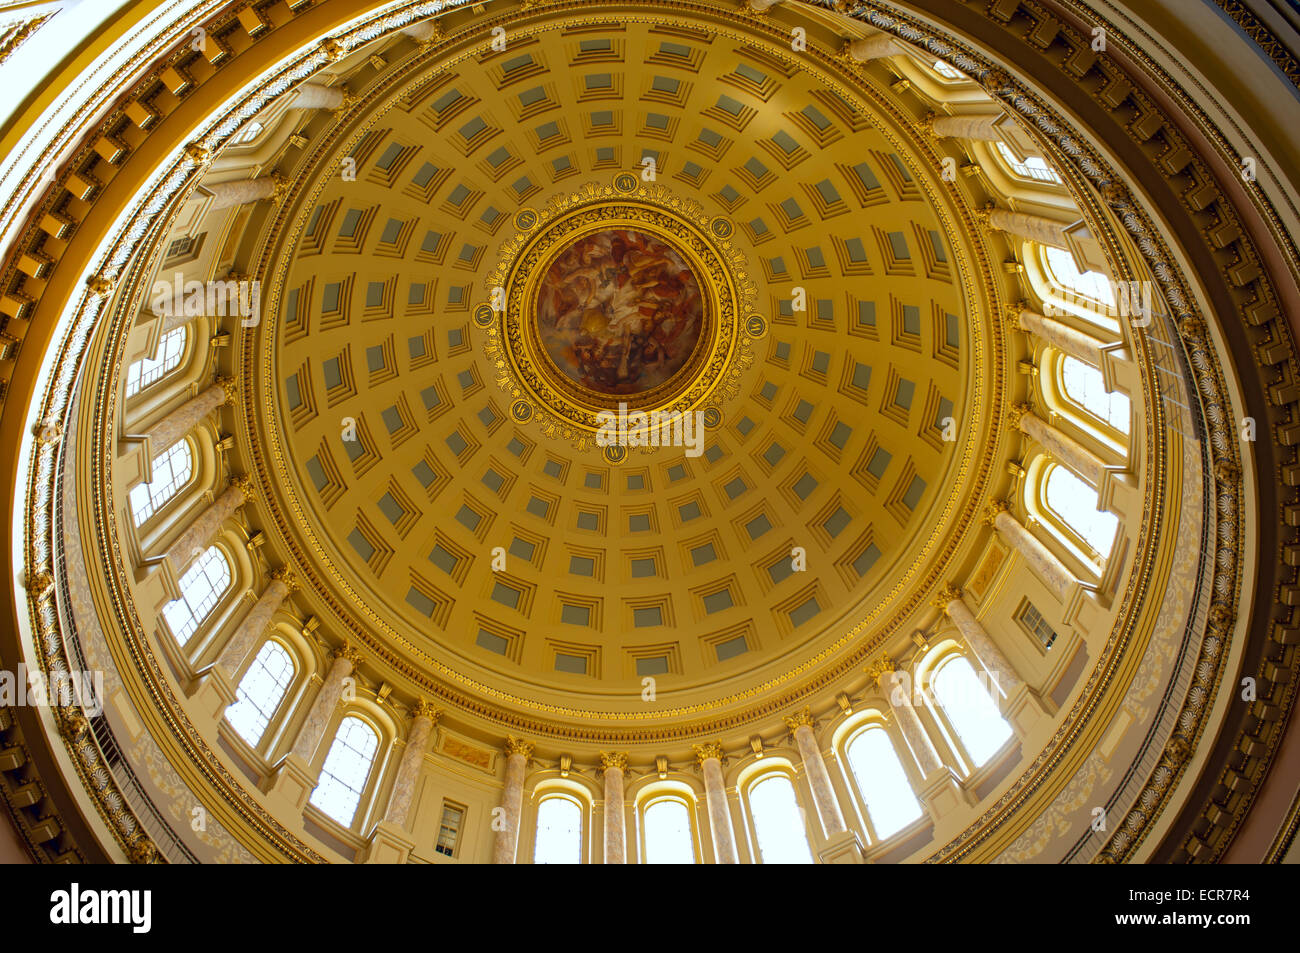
(927, 122)
(347, 651)
(286, 576)
(228, 385)
(996, 507)
(879, 668)
(423, 708)
(515, 746)
(198, 153)
(800, 719)
(333, 50)
(349, 100)
(280, 188)
(1012, 315)
(984, 214)
(946, 596)
(710, 749)
(1017, 412)
(244, 484)
(613, 760)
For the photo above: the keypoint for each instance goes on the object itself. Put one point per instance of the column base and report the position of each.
(842, 848)
(216, 693)
(941, 794)
(389, 844)
(1023, 710)
(293, 783)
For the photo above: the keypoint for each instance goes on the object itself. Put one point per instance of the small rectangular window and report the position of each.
(453, 816)
(1035, 625)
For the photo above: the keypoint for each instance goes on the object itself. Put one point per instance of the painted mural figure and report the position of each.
(619, 312)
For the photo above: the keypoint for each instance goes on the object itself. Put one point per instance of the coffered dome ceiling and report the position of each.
(473, 531)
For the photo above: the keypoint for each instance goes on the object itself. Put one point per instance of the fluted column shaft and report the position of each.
(253, 626)
(327, 699)
(232, 194)
(408, 769)
(909, 724)
(200, 533)
(979, 128)
(512, 802)
(876, 47)
(317, 96)
(819, 779)
(1035, 228)
(988, 653)
(1052, 571)
(185, 418)
(615, 822)
(715, 799)
(1061, 336)
(1064, 448)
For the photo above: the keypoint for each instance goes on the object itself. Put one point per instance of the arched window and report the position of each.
(559, 831)
(1066, 274)
(778, 822)
(150, 370)
(970, 709)
(1083, 385)
(1030, 167)
(346, 769)
(201, 589)
(261, 691)
(1074, 503)
(891, 804)
(667, 832)
(172, 469)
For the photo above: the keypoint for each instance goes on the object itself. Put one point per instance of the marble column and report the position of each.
(254, 625)
(814, 765)
(1035, 228)
(517, 753)
(199, 535)
(1059, 335)
(613, 766)
(346, 660)
(940, 790)
(710, 757)
(295, 778)
(231, 194)
(188, 415)
(1051, 570)
(951, 603)
(408, 769)
(319, 96)
(1063, 448)
(426, 31)
(905, 716)
(218, 690)
(981, 128)
(870, 48)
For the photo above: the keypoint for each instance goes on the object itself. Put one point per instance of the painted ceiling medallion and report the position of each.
(615, 297)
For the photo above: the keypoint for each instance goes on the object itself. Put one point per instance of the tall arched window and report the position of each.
(1083, 385)
(150, 370)
(172, 469)
(1065, 273)
(347, 768)
(201, 589)
(778, 822)
(667, 832)
(559, 830)
(261, 691)
(890, 802)
(1030, 167)
(970, 709)
(1074, 503)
